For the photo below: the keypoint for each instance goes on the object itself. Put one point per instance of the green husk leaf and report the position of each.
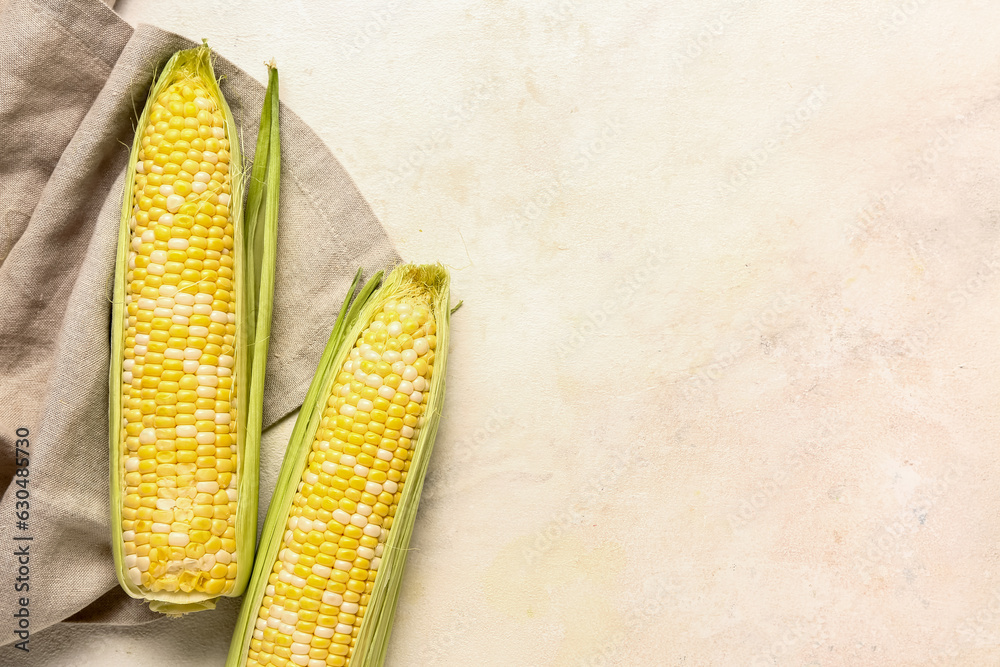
(296, 454)
(257, 191)
(373, 638)
(256, 258)
(261, 243)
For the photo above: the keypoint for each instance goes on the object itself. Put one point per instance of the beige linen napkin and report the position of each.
(73, 79)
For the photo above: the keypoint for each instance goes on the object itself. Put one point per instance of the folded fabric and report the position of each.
(73, 80)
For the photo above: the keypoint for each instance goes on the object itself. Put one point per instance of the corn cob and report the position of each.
(189, 338)
(328, 573)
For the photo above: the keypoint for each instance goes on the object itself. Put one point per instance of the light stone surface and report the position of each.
(723, 390)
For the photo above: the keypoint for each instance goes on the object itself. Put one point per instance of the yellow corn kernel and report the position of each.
(337, 527)
(180, 460)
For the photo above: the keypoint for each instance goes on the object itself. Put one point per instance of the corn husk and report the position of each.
(373, 637)
(254, 262)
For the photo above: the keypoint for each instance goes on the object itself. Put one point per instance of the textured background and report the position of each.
(723, 389)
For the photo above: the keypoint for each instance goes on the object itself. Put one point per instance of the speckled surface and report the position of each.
(723, 390)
